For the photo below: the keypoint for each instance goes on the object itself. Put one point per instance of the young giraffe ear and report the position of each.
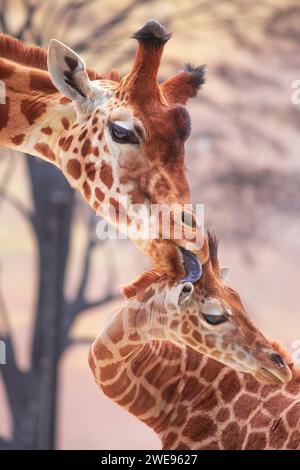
(185, 292)
(67, 71)
(224, 273)
(178, 296)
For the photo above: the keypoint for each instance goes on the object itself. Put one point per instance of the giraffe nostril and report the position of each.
(278, 359)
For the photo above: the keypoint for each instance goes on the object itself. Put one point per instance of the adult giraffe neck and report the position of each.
(34, 116)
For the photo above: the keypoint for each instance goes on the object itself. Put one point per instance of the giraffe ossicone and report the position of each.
(111, 137)
(187, 360)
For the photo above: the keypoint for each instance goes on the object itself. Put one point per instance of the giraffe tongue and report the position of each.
(192, 266)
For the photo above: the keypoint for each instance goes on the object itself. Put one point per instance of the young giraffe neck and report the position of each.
(34, 117)
(191, 401)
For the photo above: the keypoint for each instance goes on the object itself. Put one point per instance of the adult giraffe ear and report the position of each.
(185, 84)
(67, 71)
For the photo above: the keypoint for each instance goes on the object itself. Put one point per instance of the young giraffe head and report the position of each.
(128, 137)
(209, 317)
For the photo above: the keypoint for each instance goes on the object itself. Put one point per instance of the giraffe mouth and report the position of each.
(273, 377)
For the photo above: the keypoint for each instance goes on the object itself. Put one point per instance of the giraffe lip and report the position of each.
(272, 377)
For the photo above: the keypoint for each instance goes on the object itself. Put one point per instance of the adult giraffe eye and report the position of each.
(121, 135)
(215, 319)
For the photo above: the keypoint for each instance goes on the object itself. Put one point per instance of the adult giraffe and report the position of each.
(110, 137)
(157, 359)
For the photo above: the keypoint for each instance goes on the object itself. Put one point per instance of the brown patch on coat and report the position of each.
(128, 397)
(108, 372)
(170, 440)
(157, 376)
(65, 123)
(101, 352)
(45, 150)
(143, 402)
(277, 402)
(46, 130)
(67, 143)
(74, 168)
(245, 405)
(233, 436)
(210, 372)
(90, 171)
(294, 441)
(99, 194)
(86, 147)
(18, 139)
(61, 141)
(32, 110)
(87, 190)
(83, 135)
(256, 441)
(119, 386)
(293, 415)
(192, 388)
(260, 420)
(106, 175)
(199, 428)
(278, 434)
(229, 386)
(223, 415)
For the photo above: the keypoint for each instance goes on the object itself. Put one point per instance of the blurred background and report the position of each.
(58, 283)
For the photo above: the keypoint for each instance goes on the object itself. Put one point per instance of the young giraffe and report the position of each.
(156, 359)
(111, 138)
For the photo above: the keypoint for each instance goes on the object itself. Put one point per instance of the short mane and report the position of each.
(213, 244)
(36, 57)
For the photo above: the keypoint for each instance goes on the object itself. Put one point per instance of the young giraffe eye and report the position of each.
(215, 319)
(121, 135)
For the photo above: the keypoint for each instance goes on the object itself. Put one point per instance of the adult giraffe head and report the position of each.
(115, 140)
(124, 150)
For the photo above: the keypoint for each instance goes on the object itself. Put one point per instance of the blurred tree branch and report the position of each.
(105, 28)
